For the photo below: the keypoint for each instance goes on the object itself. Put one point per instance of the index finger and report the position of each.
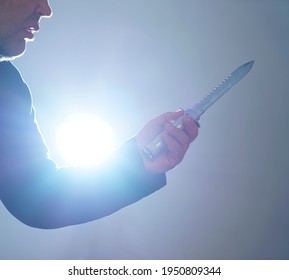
(191, 127)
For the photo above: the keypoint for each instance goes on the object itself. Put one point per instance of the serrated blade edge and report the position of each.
(231, 80)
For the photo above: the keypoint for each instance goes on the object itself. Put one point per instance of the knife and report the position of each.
(157, 146)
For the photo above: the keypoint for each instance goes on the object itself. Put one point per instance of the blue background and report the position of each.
(131, 60)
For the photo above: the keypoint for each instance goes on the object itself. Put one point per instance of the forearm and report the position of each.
(39, 194)
(45, 197)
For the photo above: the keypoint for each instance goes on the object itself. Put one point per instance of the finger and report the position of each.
(156, 126)
(191, 127)
(175, 151)
(152, 129)
(180, 136)
(163, 119)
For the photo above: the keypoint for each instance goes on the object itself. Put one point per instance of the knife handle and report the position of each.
(158, 145)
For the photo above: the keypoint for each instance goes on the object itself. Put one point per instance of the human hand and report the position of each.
(177, 140)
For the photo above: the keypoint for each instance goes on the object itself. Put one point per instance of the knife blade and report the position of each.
(157, 146)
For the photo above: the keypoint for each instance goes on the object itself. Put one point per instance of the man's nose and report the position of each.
(44, 9)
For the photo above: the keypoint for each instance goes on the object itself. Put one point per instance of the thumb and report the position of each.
(170, 116)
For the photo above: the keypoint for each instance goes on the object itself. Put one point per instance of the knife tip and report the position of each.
(249, 64)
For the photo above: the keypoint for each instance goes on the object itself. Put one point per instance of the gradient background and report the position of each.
(131, 60)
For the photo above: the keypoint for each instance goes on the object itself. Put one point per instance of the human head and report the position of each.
(19, 19)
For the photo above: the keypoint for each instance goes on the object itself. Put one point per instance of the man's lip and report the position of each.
(30, 30)
(33, 28)
(28, 34)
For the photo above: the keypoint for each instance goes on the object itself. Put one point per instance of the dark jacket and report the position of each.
(40, 194)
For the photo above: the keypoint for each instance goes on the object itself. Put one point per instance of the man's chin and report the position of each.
(12, 53)
(10, 57)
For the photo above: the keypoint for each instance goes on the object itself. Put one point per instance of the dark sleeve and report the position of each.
(41, 195)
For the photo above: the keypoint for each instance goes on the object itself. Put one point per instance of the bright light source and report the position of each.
(85, 140)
